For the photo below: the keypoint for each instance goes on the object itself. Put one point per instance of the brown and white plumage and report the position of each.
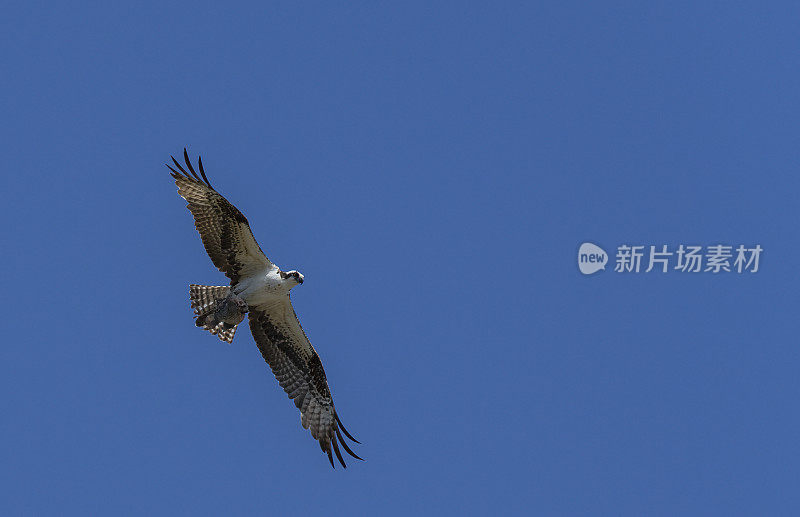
(276, 330)
(207, 302)
(297, 366)
(223, 228)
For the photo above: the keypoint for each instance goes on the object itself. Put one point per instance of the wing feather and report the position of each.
(224, 230)
(299, 371)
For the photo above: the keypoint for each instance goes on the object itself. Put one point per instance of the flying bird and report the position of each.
(260, 290)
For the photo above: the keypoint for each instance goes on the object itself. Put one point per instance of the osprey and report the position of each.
(259, 289)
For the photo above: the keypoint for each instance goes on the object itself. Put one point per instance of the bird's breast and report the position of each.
(260, 289)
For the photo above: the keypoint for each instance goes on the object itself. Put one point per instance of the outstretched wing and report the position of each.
(224, 230)
(299, 371)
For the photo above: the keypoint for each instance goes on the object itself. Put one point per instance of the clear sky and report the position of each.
(432, 171)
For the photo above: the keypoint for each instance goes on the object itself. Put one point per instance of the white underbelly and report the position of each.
(260, 289)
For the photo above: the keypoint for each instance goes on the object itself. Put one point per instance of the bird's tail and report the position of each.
(205, 302)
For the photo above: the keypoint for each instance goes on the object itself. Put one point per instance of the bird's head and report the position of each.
(292, 276)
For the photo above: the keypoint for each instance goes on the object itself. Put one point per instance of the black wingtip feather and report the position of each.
(346, 448)
(330, 458)
(185, 174)
(336, 450)
(202, 172)
(189, 164)
(178, 165)
(345, 430)
(174, 173)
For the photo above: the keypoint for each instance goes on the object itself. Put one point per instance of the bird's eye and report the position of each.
(296, 275)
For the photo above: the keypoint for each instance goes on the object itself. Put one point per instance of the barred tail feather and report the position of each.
(204, 297)
(203, 300)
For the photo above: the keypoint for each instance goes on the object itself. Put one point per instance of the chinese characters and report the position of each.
(688, 259)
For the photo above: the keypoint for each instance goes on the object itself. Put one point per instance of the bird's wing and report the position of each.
(296, 365)
(224, 230)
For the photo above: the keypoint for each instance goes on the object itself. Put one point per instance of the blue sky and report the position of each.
(432, 170)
